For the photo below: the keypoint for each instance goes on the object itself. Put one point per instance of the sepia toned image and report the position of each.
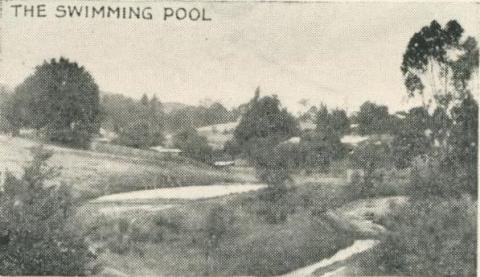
(238, 138)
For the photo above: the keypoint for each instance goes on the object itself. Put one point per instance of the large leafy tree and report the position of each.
(443, 60)
(61, 99)
(265, 119)
(372, 119)
(435, 232)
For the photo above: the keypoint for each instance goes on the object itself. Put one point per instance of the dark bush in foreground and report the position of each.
(37, 235)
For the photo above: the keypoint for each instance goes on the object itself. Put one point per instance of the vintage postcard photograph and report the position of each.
(238, 138)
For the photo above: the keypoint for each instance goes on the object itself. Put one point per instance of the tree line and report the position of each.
(62, 102)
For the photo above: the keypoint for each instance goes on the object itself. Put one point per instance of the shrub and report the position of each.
(319, 148)
(173, 222)
(39, 237)
(217, 224)
(441, 175)
(232, 148)
(275, 204)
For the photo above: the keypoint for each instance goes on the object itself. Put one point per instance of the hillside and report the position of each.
(218, 134)
(93, 174)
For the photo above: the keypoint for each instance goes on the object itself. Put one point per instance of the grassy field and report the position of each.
(93, 174)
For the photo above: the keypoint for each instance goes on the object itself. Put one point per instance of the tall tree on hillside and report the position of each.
(436, 58)
(61, 99)
(448, 61)
(435, 53)
(265, 119)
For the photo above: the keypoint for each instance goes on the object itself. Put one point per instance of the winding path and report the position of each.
(357, 247)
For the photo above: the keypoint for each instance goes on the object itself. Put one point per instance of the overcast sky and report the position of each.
(337, 53)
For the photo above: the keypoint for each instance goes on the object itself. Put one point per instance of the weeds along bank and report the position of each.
(431, 237)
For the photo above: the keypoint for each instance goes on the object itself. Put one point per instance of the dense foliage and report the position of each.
(9, 121)
(371, 159)
(264, 119)
(198, 116)
(138, 124)
(37, 236)
(434, 237)
(61, 99)
(427, 63)
(193, 145)
(335, 121)
(373, 119)
(434, 234)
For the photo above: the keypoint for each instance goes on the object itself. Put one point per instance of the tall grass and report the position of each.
(428, 237)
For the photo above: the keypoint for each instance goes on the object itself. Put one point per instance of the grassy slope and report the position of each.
(93, 174)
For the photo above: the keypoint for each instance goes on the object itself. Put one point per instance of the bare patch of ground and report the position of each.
(188, 192)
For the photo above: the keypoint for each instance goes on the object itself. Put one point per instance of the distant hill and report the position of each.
(169, 107)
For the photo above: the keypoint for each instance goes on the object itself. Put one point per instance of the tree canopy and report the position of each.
(61, 99)
(139, 124)
(193, 145)
(335, 121)
(373, 119)
(265, 119)
(437, 58)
